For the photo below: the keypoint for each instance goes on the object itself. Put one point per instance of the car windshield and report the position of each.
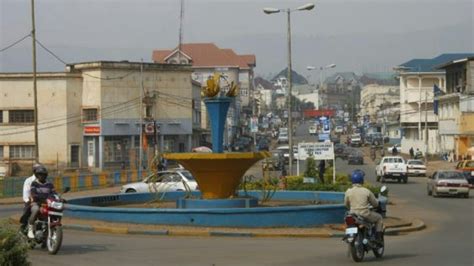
(415, 162)
(450, 175)
(393, 160)
(188, 175)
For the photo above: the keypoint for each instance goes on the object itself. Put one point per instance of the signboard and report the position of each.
(91, 130)
(322, 112)
(319, 150)
(150, 128)
(254, 124)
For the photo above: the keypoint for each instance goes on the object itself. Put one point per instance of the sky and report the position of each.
(356, 35)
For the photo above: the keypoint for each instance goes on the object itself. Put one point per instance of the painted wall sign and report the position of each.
(91, 130)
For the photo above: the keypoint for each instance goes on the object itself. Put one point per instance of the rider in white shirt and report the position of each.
(26, 196)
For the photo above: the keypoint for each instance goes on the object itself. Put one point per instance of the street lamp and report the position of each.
(321, 69)
(270, 10)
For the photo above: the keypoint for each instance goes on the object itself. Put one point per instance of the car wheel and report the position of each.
(130, 190)
(434, 194)
(466, 195)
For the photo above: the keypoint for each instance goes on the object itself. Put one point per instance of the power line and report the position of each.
(15, 43)
(85, 74)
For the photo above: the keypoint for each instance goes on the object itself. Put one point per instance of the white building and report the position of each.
(417, 80)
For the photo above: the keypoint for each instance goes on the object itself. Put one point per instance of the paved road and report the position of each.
(448, 240)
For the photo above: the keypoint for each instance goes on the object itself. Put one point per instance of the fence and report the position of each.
(13, 186)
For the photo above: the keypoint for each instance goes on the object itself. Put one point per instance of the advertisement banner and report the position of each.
(254, 124)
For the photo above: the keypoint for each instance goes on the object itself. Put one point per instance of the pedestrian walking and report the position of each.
(412, 153)
(322, 169)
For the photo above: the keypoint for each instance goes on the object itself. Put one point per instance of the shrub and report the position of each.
(13, 247)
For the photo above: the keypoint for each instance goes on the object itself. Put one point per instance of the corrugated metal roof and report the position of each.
(430, 65)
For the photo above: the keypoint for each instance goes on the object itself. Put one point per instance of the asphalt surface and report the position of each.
(448, 239)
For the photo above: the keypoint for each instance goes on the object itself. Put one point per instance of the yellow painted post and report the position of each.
(88, 182)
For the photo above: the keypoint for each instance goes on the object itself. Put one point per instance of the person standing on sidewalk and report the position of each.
(412, 153)
(322, 169)
(26, 197)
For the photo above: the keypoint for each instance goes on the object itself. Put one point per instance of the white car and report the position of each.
(397, 146)
(339, 129)
(286, 154)
(171, 180)
(313, 130)
(392, 167)
(356, 140)
(416, 168)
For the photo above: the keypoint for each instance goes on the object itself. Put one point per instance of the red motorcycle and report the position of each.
(47, 228)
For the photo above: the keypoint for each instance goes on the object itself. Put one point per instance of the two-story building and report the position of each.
(417, 80)
(456, 107)
(206, 59)
(89, 115)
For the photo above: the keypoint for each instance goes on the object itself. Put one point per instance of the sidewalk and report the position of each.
(394, 225)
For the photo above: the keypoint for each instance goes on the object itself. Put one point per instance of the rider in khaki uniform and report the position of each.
(358, 199)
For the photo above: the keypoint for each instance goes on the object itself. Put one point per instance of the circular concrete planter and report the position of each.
(291, 216)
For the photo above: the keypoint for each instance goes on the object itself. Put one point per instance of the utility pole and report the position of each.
(290, 124)
(140, 156)
(35, 90)
(180, 41)
(426, 126)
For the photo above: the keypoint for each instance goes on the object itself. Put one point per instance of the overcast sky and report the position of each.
(357, 35)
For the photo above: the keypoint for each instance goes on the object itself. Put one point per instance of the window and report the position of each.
(74, 155)
(22, 151)
(89, 114)
(1, 116)
(21, 116)
(1, 152)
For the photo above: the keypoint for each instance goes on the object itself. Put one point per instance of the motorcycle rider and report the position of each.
(40, 191)
(26, 197)
(358, 199)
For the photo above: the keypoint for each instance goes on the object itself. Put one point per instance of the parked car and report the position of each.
(356, 140)
(276, 161)
(167, 181)
(355, 157)
(375, 138)
(282, 137)
(450, 183)
(335, 139)
(339, 150)
(339, 129)
(397, 146)
(263, 145)
(285, 150)
(467, 167)
(313, 130)
(416, 168)
(391, 167)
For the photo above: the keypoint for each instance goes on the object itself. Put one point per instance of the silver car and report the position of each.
(450, 183)
(166, 181)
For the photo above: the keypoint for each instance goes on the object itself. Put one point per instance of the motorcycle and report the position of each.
(47, 228)
(360, 234)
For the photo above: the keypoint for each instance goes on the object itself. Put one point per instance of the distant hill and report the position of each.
(295, 77)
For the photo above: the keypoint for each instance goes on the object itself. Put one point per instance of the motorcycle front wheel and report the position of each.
(357, 248)
(379, 250)
(55, 240)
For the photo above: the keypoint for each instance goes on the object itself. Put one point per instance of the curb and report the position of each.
(417, 225)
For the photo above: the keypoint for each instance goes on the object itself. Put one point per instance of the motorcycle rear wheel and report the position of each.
(54, 242)
(357, 251)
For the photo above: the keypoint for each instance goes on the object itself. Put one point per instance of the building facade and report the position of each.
(456, 108)
(417, 80)
(206, 59)
(89, 116)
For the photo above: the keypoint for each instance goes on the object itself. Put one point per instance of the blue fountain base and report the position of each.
(216, 203)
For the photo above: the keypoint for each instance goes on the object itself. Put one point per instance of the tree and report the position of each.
(311, 170)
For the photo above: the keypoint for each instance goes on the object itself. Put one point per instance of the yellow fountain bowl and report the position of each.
(217, 174)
